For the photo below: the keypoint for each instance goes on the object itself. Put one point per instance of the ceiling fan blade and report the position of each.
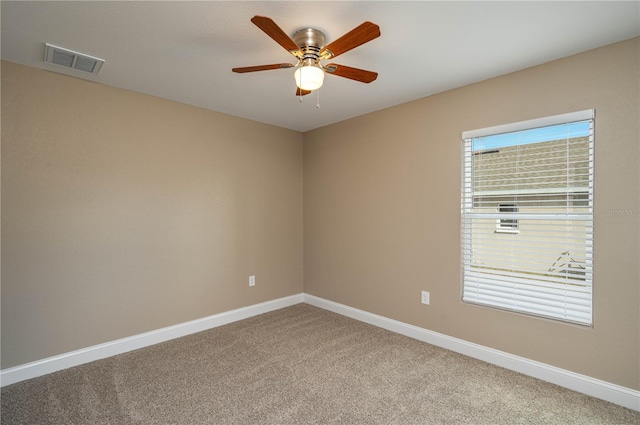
(300, 92)
(361, 34)
(275, 32)
(262, 67)
(356, 74)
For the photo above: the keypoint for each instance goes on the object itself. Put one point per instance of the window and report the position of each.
(508, 224)
(527, 217)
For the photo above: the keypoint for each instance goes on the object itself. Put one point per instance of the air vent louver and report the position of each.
(73, 60)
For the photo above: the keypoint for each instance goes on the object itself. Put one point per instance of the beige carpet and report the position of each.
(298, 365)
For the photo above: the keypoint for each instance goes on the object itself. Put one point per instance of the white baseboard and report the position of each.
(584, 384)
(594, 387)
(85, 355)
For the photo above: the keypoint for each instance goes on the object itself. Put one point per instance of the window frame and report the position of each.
(582, 317)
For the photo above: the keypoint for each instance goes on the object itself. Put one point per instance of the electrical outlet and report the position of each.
(425, 297)
(252, 281)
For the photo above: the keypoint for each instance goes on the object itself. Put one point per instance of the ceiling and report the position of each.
(184, 51)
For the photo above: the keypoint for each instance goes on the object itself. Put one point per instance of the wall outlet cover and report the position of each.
(425, 297)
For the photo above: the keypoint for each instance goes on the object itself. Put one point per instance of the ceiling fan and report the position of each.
(308, 46)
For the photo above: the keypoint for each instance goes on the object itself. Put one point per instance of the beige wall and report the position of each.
(382, 211)
(124, 213)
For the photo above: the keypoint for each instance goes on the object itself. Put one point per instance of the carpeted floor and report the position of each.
(298, 365)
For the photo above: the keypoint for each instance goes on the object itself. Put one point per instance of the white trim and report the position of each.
(96, 352)
(613, 393)
(587, 114)
(594, 387)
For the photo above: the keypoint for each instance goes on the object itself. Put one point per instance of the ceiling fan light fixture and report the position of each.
(308, 47)
(309, 77)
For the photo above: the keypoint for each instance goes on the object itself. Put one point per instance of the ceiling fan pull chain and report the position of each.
(318, 103)
(299, 83)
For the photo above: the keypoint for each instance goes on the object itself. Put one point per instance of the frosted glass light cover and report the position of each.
(309, 77)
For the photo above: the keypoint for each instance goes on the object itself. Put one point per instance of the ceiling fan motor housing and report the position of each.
(310, 41)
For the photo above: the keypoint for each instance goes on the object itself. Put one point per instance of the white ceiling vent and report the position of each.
(70, 59)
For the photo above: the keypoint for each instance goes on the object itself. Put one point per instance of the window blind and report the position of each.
(536, 255)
